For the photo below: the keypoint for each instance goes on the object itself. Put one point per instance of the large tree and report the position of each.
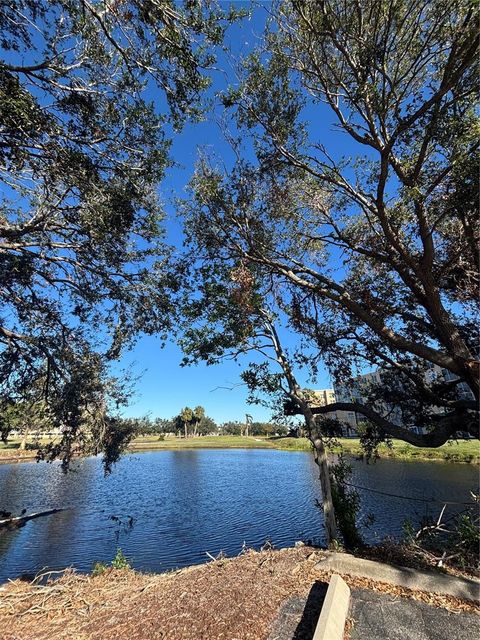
(372, 257)
(237, 317)
(90, 95)
(185, 419)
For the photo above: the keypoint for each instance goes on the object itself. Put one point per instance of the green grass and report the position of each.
(455, 451)
(152, 443)
(291, 444)
(461, 451)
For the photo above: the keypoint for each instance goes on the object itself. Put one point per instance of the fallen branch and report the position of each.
(18, 521)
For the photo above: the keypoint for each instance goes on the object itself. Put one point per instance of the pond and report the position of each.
(168, 509)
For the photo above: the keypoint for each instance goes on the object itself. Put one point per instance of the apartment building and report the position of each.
(357, 391)
(325, 397)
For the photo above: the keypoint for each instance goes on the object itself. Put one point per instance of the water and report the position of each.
(185, 503)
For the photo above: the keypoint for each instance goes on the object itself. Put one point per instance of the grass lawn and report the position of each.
(460, 451)
(454, 451)
(152, 443)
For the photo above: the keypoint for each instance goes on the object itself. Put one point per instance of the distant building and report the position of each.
(324, 397)
(357, 390)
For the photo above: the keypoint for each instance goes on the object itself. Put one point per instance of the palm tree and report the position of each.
(198, 415)
(186, 416)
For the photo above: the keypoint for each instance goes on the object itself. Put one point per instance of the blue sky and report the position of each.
(165, 387)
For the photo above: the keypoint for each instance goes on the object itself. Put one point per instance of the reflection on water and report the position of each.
(185, 503)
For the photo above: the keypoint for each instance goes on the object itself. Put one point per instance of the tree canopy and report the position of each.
(194, 422)
(363, 244)
(371, 257)
(90, 96)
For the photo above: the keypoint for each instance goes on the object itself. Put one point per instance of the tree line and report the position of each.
(192, 423)
(29, 421)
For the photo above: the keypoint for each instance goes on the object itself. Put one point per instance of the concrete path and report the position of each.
(378, 616)
(402, 576)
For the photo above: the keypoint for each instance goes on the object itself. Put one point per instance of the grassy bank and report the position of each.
(467, 451)
(455, 451)
(153, 443)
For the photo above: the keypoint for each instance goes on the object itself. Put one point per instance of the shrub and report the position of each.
(120, 561)
(346, 502)
(99, 568)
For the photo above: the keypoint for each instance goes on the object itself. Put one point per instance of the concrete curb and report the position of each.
(331, 623)
(438, 583)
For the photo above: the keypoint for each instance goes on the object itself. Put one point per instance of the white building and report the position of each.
(323, 397)
(358, 390)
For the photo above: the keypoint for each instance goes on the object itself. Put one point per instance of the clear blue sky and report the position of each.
(164, 387)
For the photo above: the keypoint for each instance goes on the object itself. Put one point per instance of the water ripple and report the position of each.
(185, 503)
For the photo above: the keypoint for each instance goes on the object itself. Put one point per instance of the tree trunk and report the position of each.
(313, 434)
(321, 460)
(185, 428)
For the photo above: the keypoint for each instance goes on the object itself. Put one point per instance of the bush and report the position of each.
(99, 568)
(346, 502)
(120, 561)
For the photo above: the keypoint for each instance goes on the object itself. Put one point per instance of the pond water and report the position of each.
(167, 509)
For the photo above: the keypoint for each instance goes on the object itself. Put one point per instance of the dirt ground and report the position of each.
(231, 599)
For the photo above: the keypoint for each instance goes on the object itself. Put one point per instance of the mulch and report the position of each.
(227, 599)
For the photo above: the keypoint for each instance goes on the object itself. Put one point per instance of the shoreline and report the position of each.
(235, 597)
(461, 452)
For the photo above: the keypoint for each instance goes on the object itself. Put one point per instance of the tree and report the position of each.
(268, 429)
(235, 318)
(198, 416)
(82, 148)
(258, 378)
(372, 260)
(207, 426)
(248, 423)
(195, 422)
(186, 418)
(25, 418)
(231, 428)
(163, 426)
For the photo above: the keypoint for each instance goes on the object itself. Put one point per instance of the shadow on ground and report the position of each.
(311, 612)
(298, 616)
